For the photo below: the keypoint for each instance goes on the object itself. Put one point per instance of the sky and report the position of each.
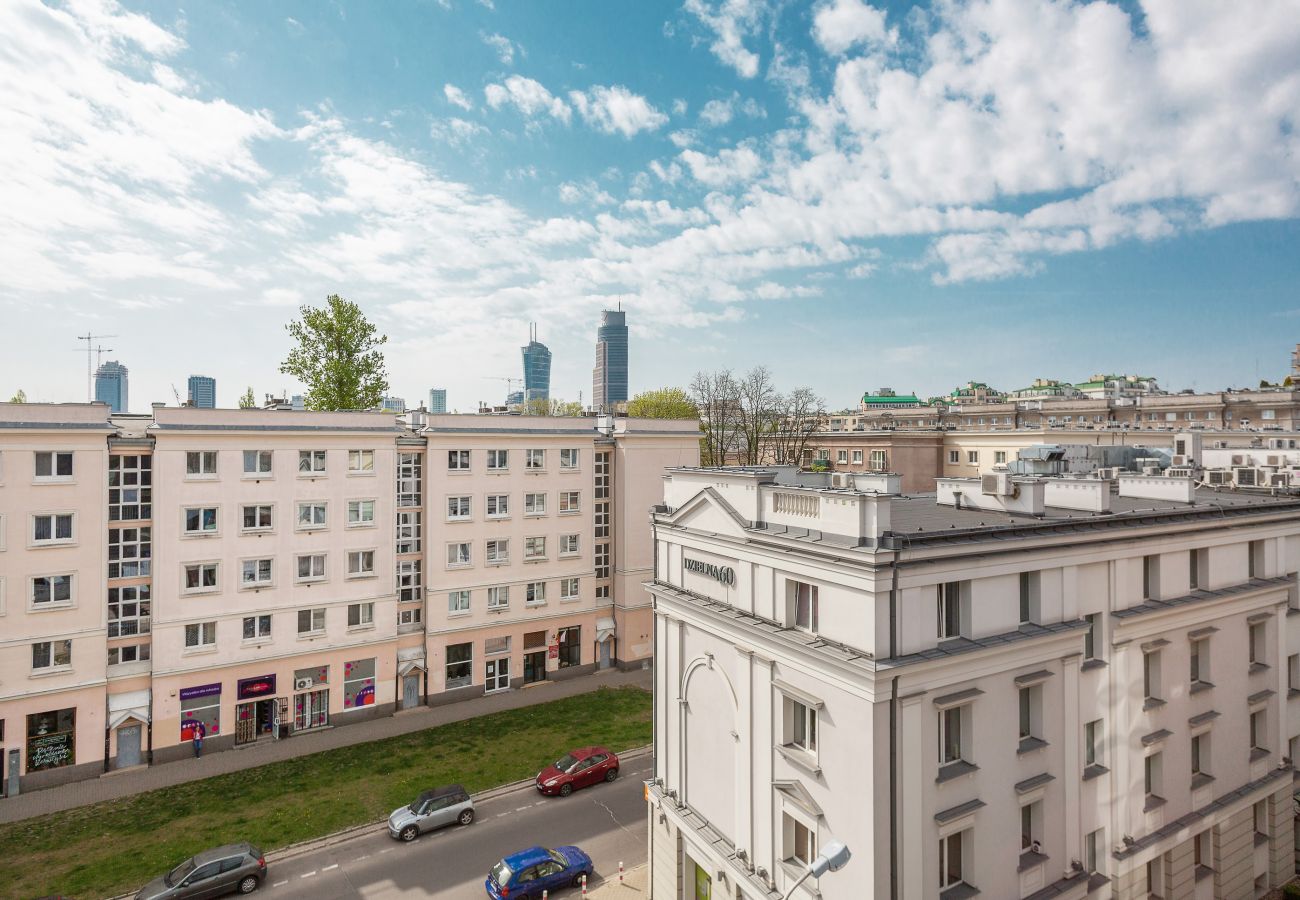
(855, 195)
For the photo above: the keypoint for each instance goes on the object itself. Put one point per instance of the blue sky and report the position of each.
(855, 195)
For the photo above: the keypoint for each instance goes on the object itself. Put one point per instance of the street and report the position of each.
(606, 820)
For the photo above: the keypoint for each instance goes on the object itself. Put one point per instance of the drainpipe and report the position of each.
(654, 719)
(893, 732)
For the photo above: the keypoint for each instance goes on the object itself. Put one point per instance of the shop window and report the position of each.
(51, 739)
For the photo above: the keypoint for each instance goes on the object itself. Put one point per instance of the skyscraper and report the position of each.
(203, 392)
(537, 368)
(110, 386)
(609, 380)
(437, 400)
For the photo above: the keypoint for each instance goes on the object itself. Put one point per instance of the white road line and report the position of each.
(363, 856)
(520, 808)
(307, 874)
(389, 850)
(279, 883)
(327, 868)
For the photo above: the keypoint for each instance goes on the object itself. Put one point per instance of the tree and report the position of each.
(541, 406)
(20, 397)
(337, 357)
(757, 413)
(665, 403)
(248, 401)
(716, 397)
(802, 415)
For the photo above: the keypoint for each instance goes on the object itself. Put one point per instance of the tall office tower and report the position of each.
(609, 380)
(393, 405)
(537, 368)
(203, 392)
(437, 400)
(110, 386)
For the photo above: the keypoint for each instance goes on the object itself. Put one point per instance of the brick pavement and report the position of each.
(632, 888)
(135, 781)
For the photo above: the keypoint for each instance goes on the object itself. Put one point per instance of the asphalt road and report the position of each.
(608, 821)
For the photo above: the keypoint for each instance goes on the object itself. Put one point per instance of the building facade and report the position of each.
(111, 386)
(1024, 688)
(202, 391)
(609, 379)
(437, 400)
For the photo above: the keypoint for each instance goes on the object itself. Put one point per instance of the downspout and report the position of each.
(893, 732)
(654, 719)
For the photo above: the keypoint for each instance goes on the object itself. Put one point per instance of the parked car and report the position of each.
(524, 875)
(225, 870)
(432, 809)
(578, 768)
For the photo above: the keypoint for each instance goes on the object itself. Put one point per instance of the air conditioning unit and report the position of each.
(1180, 459)
(1238, 459)
(1110, 473)
(1179, 473)
(1279, 479)
(1150, 470)
(303, 684)
(840, 480)
(1218, 476)
(998, 484)
(1274, 460)
(1246, 477)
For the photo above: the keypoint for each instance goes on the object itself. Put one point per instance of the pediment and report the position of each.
(707, 511)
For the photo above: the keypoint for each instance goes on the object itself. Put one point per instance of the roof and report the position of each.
(525, 858)
(871, 399)
(221, 852)
(447, 790)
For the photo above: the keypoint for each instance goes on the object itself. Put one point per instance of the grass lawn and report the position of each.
(110, 848)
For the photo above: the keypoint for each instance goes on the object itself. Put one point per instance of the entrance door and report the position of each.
(534, 666)
(604, 653)
(410, 691)
(245, 723)
(128, 746)
(311, 710)
(498, 675)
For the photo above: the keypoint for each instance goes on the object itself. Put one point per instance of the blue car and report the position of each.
(524, 875)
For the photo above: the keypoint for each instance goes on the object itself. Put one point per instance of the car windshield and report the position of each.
(501, 873)
(419, 802)
(558, 857)
(176, 874)
(566, 762)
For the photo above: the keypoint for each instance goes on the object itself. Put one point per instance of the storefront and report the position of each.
(201, 706)
(51, 739)
(358, 683)
(570, 646)
(311, 698)
(534, 656)
(256, 712)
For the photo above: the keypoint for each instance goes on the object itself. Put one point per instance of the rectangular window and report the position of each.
(498, 597)
(256, 572)
(570, 502)
(1029, 582)
(950, 612)
(857, 457)
(1153, 878)
(53, 465)
(1258, 734)
(1255, 559)
(256, 517)
(1293, 672)
(1090, 643)
(498, 506)
(569, 588)
(1200, 754)
(1195, 560)
(879, 459)
(569, 458)
(408, 581)
(201, 520)
(498, 552)
(534, 548)
(802, 610)
(130, 493)
(1151, 577)
(361, 615)
(199, 577)
(128, 654)
(409, 616)
(973, 457)
(200, 463)
(311, 621)
(311, 567)
(361, 513)
(409, 523)
(458, 460)
(1031, 824)
(201, 634)
(361, 462)
(602, 520)
(999, 457)
(1093, 743)
(312, 516)
(954, 456)
(1259, 817)
(54, 528)
(128, 610)
(51, 590)
(1202, 854)
(1151, 675)
(1200, 662)
(409, 466)
(950, 735)
(1152, 771)
(460, 658)
(1031, 712)
(359, 683)
(534, 504)
(458, 555)
(952, 859)
(130, 552)
(311, 462)
(1258, 647)
(1094, 851)
(535, 593)
(803, 725)
(569, 545)
(458, 602)
(800, 841)
(570, 647)
(498, 460)
(458, 509)
(361, 563)
(257, 628)
(534, 459)
(602, 560)
(257, 462)
(842, 456)
(51, 654)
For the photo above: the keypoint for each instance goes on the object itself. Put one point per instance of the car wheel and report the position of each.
(566, 790)
(577, 879)
(409, 833)
(465, 817)
(248, 885)
(611, 774)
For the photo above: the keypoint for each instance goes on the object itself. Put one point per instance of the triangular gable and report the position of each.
(708, 511)
(798, 794)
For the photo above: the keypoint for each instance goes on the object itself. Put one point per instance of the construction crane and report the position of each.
(92, 349)
(177, 395)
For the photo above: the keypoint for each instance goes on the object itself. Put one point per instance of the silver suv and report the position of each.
(234, 867)
(432, 809)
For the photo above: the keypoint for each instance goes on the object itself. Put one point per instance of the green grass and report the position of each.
(110, 848)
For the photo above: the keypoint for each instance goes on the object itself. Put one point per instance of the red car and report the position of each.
(578, 768)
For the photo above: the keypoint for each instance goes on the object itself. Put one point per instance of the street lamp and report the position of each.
(832, 858)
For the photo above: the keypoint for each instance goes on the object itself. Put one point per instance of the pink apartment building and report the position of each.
(257, 574)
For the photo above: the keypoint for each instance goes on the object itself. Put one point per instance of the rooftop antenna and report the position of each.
(91, 349)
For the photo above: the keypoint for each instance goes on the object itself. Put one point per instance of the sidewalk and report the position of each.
(116, 785)
(632, 888)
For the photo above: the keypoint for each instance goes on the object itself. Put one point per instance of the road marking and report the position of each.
(389, 850)
(327, 868)
(307, 874)
(363, 856)
(520, 808)
(279, 883)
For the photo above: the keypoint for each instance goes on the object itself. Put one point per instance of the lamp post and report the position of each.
(832, 858)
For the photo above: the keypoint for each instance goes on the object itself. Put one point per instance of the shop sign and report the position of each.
(49, 751)
(253, 688)
(553, 652)
(723, 575)
(203, 690)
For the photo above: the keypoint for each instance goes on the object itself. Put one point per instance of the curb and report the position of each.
(302, 848)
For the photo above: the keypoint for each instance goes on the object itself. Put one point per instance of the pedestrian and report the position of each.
(197, 731)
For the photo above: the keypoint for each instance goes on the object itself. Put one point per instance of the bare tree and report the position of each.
(715, 395)
(757, 413)
(801, 416)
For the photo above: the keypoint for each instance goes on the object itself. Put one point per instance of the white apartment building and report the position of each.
(1023, 688)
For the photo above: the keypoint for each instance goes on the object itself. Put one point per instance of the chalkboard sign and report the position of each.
(50, 751)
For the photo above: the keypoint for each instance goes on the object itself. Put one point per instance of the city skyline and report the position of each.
(755, 183)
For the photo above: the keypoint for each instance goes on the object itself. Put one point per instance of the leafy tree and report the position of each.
(248, 401)
(337, 357)
(1287, 382)
(664, 403)
(20, 397)
(538, 406)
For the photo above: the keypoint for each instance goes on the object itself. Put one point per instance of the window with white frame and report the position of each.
(409, 522)
(954, 456)
(1197, 563)
(842, 456)
(496, 645)
(1091, 645)
(569, 545)
(602, 475)
(973, 457)
(200, 520)
(1094, 743)
(361, 462)
(1031, 713)
(570, 502)
(569, 458)
(999, 457)
(535, 593)
(409, 616)
(256, 573)
(129, 611)
(458, 602)
(256, 517)
(128, 654)
(602, 520)
(954, 851)
(51, 529)
(800, 725)
(1200, 662)
(1031, 827)
(361, 615)
(1094, 852)
(361, 513)
(800, 840)
(534, 459)
(1151, 672)
(534, 504)
(498, 597)
(311, 462)
(458, 508)
(51, 590)
(257, 628)
(51, 655)
(53, 465)
(458, 555)
(954, 734)
(498, 506)
(311, 621)
(1259, 818)
(879, 460)
(498, 460)
(458, 460)
(534, 548)
(257, 463)
(1202, 852)
(1153, 777)
(460, 660)
(1152, 871)
(569, 588)
(311, 567)
(199, 577)
(497, 551)
(313, 515)
(801, 605)
(361, 563)
(602, 560)
(201, 634)
(951, 614)
(857, 457)
(409, 466)
(130, 552)
(408, 581)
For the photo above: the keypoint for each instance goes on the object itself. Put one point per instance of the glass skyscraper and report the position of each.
(609, 380)
(437, 400)
(203, 392)
(537, 369)
(110, 386)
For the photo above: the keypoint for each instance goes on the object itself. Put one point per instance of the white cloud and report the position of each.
(729, 166)
(487, 4)
(587, 191)
(841, 24)
(679, 107)
(616, 109)
(295, 27)
(504, 47)
(731, 21)
(529, 97)
(719, 112)
(457, 97)
(456, 131)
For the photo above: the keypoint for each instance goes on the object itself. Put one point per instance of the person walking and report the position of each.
(198, 731)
